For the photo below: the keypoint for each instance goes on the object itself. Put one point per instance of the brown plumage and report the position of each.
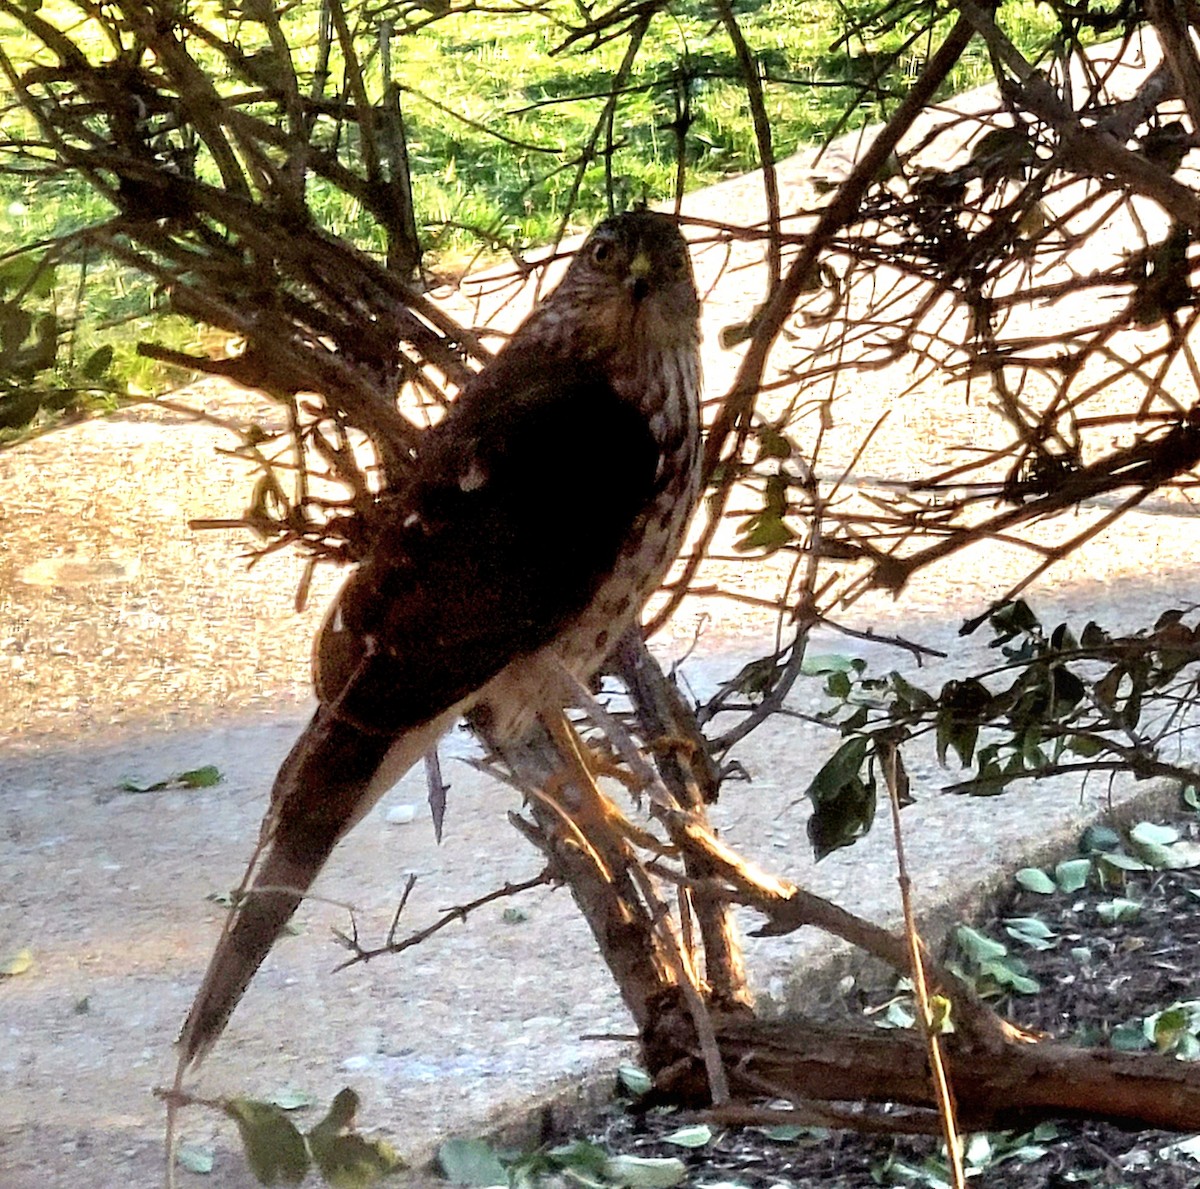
(544, 510)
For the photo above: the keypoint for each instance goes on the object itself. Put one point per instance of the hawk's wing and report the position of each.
(518, 511)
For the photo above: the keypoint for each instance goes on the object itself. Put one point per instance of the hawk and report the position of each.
(543, 510)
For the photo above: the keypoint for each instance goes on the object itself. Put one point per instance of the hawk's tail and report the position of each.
(333, 775)
(260, 918)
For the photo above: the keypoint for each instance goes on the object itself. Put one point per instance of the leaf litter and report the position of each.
(1112, 958)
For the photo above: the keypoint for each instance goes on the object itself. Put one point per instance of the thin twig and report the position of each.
(897, 783)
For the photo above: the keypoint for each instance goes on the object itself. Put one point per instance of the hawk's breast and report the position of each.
(668, 397)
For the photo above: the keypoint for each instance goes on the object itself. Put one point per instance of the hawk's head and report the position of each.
(631, 285)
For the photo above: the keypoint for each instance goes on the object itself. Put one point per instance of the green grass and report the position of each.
(501, 75)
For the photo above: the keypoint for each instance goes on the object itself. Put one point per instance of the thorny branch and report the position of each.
(456, 915)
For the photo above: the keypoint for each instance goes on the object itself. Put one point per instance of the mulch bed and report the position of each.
(1129, 971)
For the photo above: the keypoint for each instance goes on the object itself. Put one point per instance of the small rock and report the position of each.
(400, 815)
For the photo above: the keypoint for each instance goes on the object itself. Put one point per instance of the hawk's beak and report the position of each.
(639, 274)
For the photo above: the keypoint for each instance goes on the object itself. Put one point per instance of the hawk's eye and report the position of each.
(602, 252)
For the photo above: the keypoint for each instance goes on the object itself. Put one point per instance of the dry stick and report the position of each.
(806, 1114)
(788, 908)
(897, 783)
(918, 1121)
(738, 403)
(1092, 151)
(637, 33)
(762, 134)
(197, 93)
(613, 908)
(458, 913)
(1058, 552)
(706, 1034)
(1146, 465)
(662, 713)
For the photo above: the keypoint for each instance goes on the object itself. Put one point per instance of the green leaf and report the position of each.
(842, 816)
(838, 685)
(200, 778)
(274, 1149)
(1033, 879)
(831, 662)
(1030, 927)
(955, 731)
(1183, 855)
(1154, 855)
(843, 803)
(1011, 973)
(1013, 619)
(1128, 1038)
(1068, 691)
(1072, 874)
(291, 1099)
(941, 1015)
(765, 531)
(1098, 838)
(581, 1156)
(978, 946)
(1031, 932)
(786, 1133)
(979, 1150)
(1152, 834)
(471, 1162)
(1122, 862)
(129, 784)
(196, 778)
(1119, 911)
(1084, 745)
(645, 1172)
(1167, 1028)
(341, 1113)
(350, 1161)
(634, 1081)
(690, 1137)
(1163, 848)
(911, 696)
(1132, 714)
(17, 272)
(1107, 687)
(194, 1158)
(844, 765)
(896, 1016)
(771, 443)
